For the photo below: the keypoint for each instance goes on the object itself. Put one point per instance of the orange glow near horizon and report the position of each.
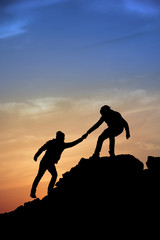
(26, 127)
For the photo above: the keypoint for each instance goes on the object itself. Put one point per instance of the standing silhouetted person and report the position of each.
(115, 123)
(54, 149)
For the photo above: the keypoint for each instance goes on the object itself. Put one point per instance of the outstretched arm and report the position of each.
(43, 148)
(74, 143)
(95, 126)
(126, 128)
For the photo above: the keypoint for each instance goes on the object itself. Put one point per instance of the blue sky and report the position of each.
(54, 46)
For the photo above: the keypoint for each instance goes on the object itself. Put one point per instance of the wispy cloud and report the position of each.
(124, 37)
(146, 8)
(32, 107)
(137, 99)
(16, 15)
(14, 28)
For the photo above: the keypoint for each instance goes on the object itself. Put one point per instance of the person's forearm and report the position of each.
(92, 129)
(126, 128)
(39, 151)
(95, 126)
(37, 154)
(74, 143)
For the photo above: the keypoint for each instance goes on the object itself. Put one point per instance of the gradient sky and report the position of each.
(60, 61)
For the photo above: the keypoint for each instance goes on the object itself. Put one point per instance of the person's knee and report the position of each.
(54, 174)
(101, 138)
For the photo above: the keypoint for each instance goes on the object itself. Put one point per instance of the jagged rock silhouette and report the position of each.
(108, 185)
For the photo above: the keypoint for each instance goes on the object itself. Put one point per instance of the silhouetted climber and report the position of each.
(115, 123)
(54, 149)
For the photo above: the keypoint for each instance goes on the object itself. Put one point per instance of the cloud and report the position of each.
(129, 36)
(14, 28)
(32, 107)
(16, 15)
(44, 116)
(134, 100)
(122, 38)
(146, 8)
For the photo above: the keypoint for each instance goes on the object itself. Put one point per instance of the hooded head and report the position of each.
(105, 109)
(60, 136)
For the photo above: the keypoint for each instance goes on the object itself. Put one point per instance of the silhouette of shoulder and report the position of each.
(52, 141)
(112, 118)
(115, 114)
(48, 144)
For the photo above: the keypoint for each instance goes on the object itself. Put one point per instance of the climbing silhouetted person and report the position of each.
(54, 149)
(115, 123)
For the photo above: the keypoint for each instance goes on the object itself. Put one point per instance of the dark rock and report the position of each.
(108, 187)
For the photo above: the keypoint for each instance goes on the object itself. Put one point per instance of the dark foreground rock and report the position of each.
(108, 188)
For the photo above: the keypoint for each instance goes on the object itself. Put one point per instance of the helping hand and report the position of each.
(127, 136)
(85, 136)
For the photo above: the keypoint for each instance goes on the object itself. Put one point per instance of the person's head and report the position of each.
(105, 109)
(60, 136)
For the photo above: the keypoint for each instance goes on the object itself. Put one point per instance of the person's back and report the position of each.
(113, 119)
(54, 149)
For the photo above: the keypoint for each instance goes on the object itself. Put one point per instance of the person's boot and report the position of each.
(94, 156)
(33, 193)
(112, 154)
(50, 191)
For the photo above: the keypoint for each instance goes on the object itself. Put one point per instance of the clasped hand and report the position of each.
(85, 136)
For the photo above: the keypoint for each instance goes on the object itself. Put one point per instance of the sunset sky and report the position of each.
(60, 61)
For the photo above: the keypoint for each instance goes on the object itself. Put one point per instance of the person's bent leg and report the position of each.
(53, 172)
(112, 146)
(100, 141)
(41, 171)
(113, 133)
